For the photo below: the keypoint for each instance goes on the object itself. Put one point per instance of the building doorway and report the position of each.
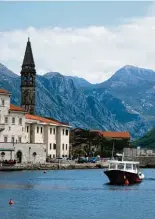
(19, 156)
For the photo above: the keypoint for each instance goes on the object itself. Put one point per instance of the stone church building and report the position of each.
(25, 136)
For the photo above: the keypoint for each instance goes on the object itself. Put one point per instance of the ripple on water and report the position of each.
(74, 194)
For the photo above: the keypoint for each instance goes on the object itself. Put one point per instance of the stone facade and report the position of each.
(137, 152)
(28, 81)
(23, 153)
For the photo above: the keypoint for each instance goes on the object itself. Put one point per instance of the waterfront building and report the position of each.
(138, 152)
(25, 136)
(91, 140)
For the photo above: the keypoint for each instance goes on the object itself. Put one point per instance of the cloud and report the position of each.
(93, 52)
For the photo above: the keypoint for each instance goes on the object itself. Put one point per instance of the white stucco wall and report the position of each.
(12, 129)
(36, 135)
(27, 151)
(15, 130)
(4, 109)
(62, 142)
(51, 133)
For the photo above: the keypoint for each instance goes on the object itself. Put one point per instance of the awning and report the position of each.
(7, 149)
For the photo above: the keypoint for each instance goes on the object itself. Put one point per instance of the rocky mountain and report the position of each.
(6, 72)
(58, 97)
(78, 82)
(135, 87)
(120, 103)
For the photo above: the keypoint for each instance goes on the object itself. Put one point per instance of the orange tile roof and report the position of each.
(116, 134)
(34, 117)
(41, 119)
(2, 91)
(107, 134)
(16, 108)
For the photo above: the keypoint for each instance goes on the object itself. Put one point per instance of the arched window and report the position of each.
(2, 154)
(31, 80)
(34, 154)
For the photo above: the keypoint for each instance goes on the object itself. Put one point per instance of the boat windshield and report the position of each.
(129, 166)
(134, 166)
(112, 166)
(120, 166)
(123, 166)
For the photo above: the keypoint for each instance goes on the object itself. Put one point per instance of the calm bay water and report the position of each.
(74, 194)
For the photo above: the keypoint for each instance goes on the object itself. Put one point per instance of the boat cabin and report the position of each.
(124, 166)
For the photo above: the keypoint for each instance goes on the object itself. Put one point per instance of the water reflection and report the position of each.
(16, 186)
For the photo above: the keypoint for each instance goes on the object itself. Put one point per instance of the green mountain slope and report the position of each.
(147, 141)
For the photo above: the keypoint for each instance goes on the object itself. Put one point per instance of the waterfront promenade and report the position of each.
(55, 166)
(145, 162)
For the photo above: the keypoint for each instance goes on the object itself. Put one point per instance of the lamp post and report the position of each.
(29, 153)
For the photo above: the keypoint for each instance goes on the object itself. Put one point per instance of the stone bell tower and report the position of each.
(28, 81)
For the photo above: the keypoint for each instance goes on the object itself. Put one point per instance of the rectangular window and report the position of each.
(50, 130)
(6, 119)
(54, 146)
(54, 131)
(27, 128)
(66, 131)
(13, 139)
(129, 166)
(53, 155)
(5, 139)
(37, 129)
(120, 166)
(63, 131)
(66, 146)
(19, 139)
(63, 146)
(20, 121)
(41, 129)
(3, 102)
(50, 146)
(13, 120)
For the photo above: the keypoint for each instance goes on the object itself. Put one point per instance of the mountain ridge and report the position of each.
(91, 106)
(79, 82)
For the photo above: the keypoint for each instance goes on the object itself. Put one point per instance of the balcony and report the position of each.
(2, 127)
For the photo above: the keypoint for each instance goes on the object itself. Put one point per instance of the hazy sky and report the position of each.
(86, 39)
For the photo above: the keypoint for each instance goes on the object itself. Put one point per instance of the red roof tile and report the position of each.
(41, 119)
(107, 134)
(34, 117)
(16, 108)
(116, 134)
(2, 91)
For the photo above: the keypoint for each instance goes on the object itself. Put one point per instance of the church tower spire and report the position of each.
(28, 80)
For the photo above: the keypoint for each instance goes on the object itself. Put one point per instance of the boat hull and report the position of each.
(118, 177)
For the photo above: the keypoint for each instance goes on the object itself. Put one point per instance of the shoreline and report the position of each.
(52, 167)
(56, 166)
